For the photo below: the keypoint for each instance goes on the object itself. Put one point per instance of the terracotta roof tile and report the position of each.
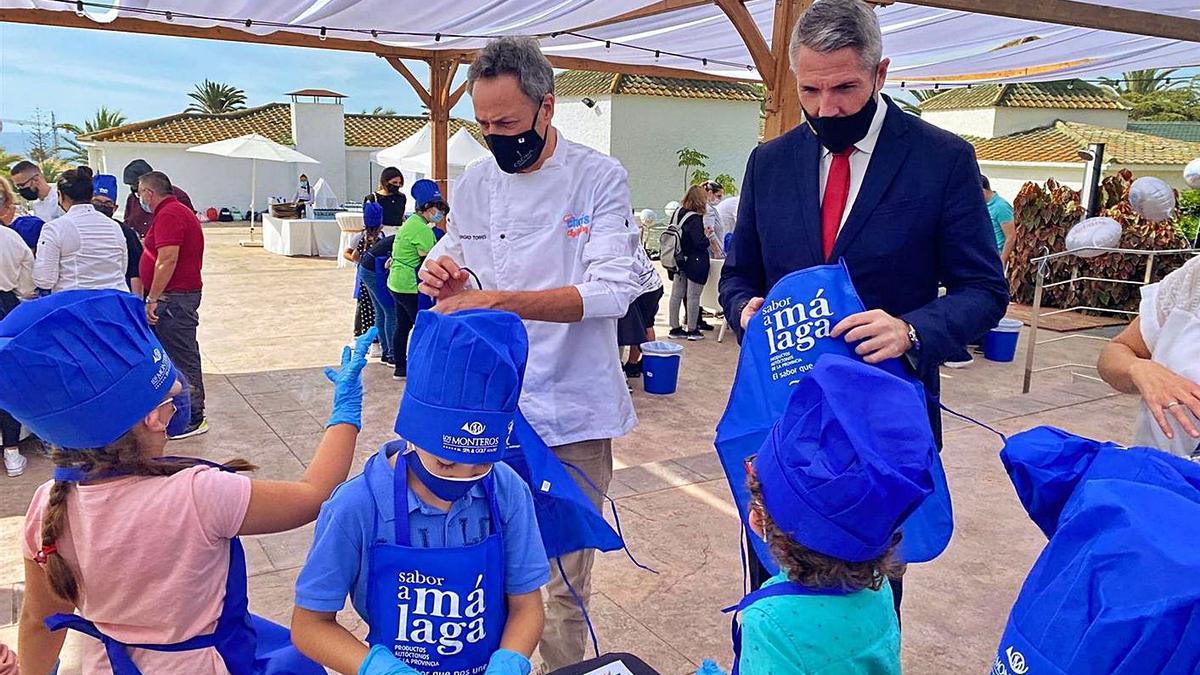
(1062, 141)
(1180, 131)
(575, 83)
(273, 120)
(1069, 95)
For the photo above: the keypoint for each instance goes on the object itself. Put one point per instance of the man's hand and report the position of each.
(748, 311)
(152, 312)
(442, 278)
(468, 299)
(880, 335)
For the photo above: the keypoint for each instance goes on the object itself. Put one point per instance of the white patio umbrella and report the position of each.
(253, 147)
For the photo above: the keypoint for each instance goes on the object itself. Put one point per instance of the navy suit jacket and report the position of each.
(919, 220)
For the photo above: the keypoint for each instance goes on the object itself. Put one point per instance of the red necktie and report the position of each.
(837, 191)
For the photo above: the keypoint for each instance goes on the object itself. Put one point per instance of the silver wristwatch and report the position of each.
(912, 337)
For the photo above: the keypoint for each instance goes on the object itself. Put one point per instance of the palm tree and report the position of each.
(215, 98)
(1143, 81)
(921, 95)
(7, 160)
(103, 119)
(380, 110)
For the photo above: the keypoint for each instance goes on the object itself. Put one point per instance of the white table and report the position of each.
(350, 224)
(301, 236)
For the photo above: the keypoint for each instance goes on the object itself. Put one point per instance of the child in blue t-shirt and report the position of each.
(435, 543)
(837, 476)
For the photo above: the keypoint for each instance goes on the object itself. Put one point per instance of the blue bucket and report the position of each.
(660, 367)
(1001, 342)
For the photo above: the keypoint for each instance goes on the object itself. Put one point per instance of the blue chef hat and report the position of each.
(105, 185)
(81, 368)
(849, 460)
(464, 379)
(1114, 591)
(425, 191)
(372, 214)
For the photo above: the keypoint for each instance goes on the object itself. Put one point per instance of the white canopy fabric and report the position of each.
(925, 44)
(253, 147)
(461, 151)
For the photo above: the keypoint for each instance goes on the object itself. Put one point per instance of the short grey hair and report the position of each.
(520, 57)
(830, 25)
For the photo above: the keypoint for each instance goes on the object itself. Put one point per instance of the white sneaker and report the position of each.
(14, 463)
(375, 351)
(959, 364)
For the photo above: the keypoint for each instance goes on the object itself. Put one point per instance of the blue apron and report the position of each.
(381, 282)
(437, 609)
(248, 644)
(781, 344)
(774, 590)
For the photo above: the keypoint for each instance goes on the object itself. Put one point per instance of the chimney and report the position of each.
(319, 131)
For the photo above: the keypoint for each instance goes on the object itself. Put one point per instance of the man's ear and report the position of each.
(881, 74)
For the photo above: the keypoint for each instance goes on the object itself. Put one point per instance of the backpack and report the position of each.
(670, 242)
(225, 215)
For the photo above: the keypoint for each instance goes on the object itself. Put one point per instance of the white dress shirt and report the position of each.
(727, 209)
(47, 208)
(860, 159)
(568, 223)
(82, 249)
(16, 263)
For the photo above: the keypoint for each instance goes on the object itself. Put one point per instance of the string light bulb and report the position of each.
(437, 37)
(79, 11)
(249, 23)
(322, 34)
(374, 33)
(170, 16)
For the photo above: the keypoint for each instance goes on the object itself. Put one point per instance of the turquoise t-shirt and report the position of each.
(855, 634)
(1001, 212)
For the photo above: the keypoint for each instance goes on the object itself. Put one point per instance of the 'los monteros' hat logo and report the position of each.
(474, 428)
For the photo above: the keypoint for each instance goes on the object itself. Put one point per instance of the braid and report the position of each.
(62, 579)
(123, 456)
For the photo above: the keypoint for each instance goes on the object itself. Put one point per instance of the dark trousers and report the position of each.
(10, 429)
(406, 317)
(178, 318)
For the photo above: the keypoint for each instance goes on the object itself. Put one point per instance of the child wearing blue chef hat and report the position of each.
(436, 543)
(843, 467)
(138, 550)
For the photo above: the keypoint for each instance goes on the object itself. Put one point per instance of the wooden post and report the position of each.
(783, 101)
(441, 77)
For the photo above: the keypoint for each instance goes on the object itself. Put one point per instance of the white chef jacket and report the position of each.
(47, 208)
(860, 159)
(82, 249)
(16, 263)
(567, 224)
(727, 209)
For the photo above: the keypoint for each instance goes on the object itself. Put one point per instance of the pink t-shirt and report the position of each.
(151, 555)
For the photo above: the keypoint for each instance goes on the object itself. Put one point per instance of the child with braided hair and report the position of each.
(145, 546)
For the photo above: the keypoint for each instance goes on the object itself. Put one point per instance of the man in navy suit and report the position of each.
(898, 198)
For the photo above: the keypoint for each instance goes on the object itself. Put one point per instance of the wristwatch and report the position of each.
(913, 338)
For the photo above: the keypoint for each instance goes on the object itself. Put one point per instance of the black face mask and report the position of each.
(28, 193)
(393, 188)
(517, 153)
(107, 208)
(839, 133)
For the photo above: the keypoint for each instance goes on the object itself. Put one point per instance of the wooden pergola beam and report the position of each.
(576, 63)
(660, 7)
(1079, 15)
(744, 24)
(68, 19)
(783, 101)
(420, 90)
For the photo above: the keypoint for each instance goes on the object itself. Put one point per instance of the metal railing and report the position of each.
(1043, 271)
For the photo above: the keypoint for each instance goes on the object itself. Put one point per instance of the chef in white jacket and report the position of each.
(545, 231)
(1158, 357)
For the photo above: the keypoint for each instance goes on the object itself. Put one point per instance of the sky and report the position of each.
(72, 72)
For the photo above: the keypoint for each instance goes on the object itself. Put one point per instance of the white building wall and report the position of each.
(647, 132)
(319, 130)
(979, 122)
(1008, 179)
(209, 180)
(362, 176)
(588, 126)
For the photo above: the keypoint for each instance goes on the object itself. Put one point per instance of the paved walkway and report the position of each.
(269, 323)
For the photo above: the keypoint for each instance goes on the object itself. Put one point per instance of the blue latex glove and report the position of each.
(380, 661)
(508, 662)
(347, 382)
(709, 667)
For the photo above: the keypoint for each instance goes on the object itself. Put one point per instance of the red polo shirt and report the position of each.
(174, 225)
(138, 219)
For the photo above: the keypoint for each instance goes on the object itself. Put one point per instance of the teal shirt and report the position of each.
(855, 634)
(1001, 212)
